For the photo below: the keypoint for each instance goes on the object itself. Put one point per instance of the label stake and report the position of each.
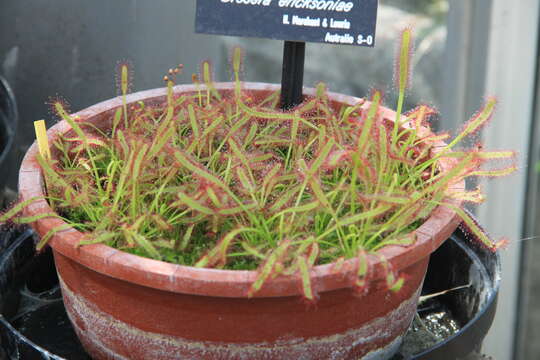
(292, 80)
(42, 140)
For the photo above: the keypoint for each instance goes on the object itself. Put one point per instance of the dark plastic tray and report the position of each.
(9, 118)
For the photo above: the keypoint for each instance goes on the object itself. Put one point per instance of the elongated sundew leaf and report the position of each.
(161, 222)
(194, 204)
(167, 122)
(207, 78)
(237, 125)
(313, 254)
(51, 175)
(128, 236)
(471, 225)
(93, 142)
(212, 127)
(402, 75)
(403, 72)
(180, 100)
(124, 79)
(307, 289)
(358, 217)
(275, 115)
(237, 60)
(494, 173)
(136, 170)
(476, 122)
(126, 171)
(323, 155)
(392, 199)
(368, 122)
(383, 154)
(433, 139)
(160, 142)
(284, 199)
(252, 251)
(45, 239)
(405, 240)
(195, 80)
(362, 272)
(99, 238)
(182, 245)
(321, 92)
(319, 193)
(393, 282)
(449, 176)
(484, 155)
(422, 112)
(397, 284)
(138, 222)
(78, 130)
(237, 209)
(351, 109)
(146, 245)
(116, 121)
(475, 196)
(337, 157)
(34, 218)
(13, 211)
(252, 133)
(322, 136)
(298, 209)
(237, 65)
(123, 142)
(268, 266)
(294, 135)
(416, 121)
(202, 173)
(193, 121)
(362, 263)
(272, 140)
(213, 197)
(241, 156)
(263, 158)
(218, 254)
(246, 183)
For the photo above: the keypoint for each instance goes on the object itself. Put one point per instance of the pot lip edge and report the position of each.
(102, 258)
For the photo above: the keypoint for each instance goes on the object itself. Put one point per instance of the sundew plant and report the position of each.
(227, 180)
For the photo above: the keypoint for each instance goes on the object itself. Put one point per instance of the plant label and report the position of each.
(344, 22)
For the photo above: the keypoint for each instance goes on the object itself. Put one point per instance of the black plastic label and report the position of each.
(345, 22)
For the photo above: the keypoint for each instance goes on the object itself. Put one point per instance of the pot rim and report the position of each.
(214, 282)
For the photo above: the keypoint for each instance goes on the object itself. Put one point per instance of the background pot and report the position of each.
(126, 306)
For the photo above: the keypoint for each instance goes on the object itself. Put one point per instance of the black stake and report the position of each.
(292, 79)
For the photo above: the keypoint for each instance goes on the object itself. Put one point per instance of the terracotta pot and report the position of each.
(127, 307)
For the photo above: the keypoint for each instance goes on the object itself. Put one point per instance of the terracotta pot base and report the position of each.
(116, 320)
(104, 337)
(97, 329)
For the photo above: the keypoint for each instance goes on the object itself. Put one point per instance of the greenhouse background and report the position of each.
(466, 50)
